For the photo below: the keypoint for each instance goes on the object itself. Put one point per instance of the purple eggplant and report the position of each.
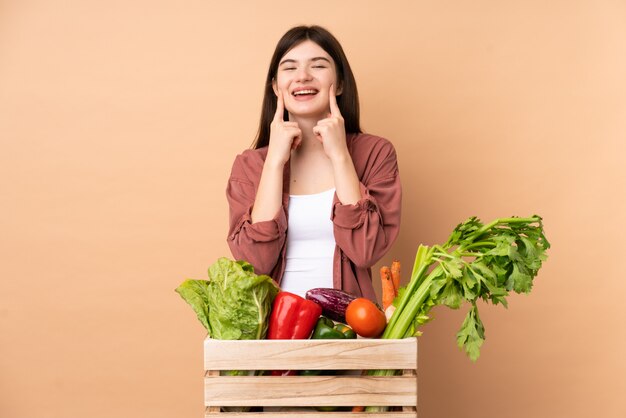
(333, 302)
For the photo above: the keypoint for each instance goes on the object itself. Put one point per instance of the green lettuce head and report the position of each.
(235, 303)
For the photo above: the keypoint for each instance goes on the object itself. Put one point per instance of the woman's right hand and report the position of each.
(284, 136)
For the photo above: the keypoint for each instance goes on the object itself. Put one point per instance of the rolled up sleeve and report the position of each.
(366, 230)
(258, 243)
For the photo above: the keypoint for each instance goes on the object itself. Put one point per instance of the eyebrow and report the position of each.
(288, 60)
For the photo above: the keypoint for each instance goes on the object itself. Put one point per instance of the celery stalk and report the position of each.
(478, 261)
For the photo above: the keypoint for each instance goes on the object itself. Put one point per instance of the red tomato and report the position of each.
(365, 318)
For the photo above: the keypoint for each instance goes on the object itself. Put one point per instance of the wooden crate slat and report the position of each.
(310, 391)
(356, 354)
(313, 414)
(212, 409)
(410, 372)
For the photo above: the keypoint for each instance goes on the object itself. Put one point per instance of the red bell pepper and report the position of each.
(292, 318)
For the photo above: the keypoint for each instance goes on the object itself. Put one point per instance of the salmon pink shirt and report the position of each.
(363, 231)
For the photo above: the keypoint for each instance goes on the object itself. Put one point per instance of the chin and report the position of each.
(308, 113)
(312, 116)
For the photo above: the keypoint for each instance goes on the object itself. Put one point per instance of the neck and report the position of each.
(306, 124)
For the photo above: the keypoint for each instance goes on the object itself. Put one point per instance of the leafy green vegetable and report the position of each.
(234, 304)
(196, 294)
(476, 262)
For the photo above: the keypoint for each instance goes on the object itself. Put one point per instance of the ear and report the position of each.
(274, 87)
(339, 89)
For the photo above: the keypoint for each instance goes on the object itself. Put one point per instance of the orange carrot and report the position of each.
(395, 275)
(387, 286)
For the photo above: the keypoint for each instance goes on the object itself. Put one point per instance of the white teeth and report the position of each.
(304, 92)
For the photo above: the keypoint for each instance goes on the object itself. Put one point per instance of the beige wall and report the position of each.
(118, 124)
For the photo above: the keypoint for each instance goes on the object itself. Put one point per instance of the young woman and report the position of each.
(316, 202)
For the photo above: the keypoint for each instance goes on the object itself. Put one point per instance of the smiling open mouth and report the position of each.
(309, 92)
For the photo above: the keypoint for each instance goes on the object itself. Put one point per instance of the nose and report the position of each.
(303, 74)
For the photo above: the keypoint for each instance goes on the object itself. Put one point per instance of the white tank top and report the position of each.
(310, 243)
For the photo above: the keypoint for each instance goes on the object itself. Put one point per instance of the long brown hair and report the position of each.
(348, 101)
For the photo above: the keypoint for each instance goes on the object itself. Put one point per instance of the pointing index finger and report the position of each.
(334, 108)
(280, 108)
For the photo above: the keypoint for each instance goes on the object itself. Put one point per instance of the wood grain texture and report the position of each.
(310, 391)
(359, 354)
(212, 409)
(412, 373)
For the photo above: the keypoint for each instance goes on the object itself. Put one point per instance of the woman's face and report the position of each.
(305, 74)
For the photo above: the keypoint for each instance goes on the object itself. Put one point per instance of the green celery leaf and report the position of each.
(453, 267)
(436, 286)
(499, 267)
(500, 300)
(451, 296)
(503, 242)
(471, 336)
(520, 281)
(489, 275)
(469, 282)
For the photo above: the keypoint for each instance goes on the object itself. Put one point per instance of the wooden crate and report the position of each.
(309, 391)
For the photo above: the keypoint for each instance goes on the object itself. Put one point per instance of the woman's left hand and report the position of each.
(331, 131)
